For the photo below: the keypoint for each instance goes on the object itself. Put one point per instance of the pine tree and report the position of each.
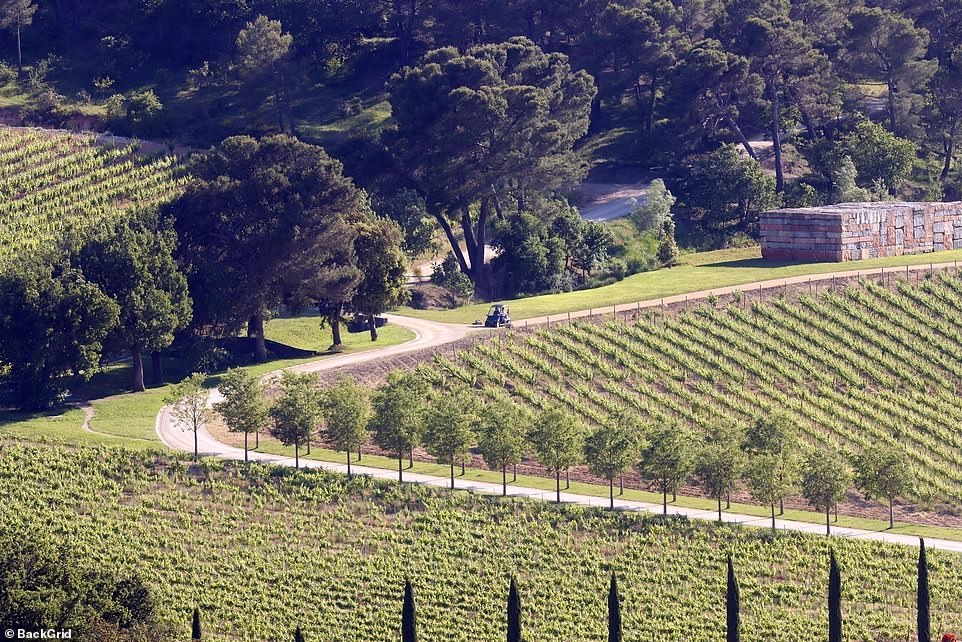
(925, 634)
(195, 626)
(409, 631)
(732, 603)
(614, 611)
(834, 601)
(298, 635)
(514, 613)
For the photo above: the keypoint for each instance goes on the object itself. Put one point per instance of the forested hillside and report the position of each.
(671, 76)
(738, 105)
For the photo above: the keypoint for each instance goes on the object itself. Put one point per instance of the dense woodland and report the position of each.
(381, 129)
(468, 115)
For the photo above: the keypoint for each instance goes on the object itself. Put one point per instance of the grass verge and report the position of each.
(701, 271)
(126, 418)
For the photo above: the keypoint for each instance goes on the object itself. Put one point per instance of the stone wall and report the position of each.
(852, 231)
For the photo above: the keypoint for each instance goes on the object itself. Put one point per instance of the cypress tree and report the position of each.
(925, 633)
(834, 601)
(298, 635)
(409, 631)
(614, 611)
(514, 613)
(732, 604)
(195, 626)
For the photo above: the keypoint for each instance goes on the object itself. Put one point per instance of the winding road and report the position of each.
(432, 334)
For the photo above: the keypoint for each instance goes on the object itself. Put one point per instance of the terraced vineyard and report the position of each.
(261, 551)
(862, 366)
(53, 181)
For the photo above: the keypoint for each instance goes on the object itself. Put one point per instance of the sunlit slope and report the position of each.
(867, 365)
(52, 182)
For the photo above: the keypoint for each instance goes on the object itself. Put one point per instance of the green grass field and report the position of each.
(128, 418)
(261, 551)
(701, 271)
(305, 332)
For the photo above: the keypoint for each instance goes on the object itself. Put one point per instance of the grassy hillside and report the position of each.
(867, 365)
(700, 271)
(262, 551)
(52, 182)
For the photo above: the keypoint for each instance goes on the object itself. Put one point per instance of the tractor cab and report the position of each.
(498, 317)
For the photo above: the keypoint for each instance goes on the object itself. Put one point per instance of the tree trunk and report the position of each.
(891, 100)
(452, 473)
(719, 509)
(611, 493)
(596, 113)
(891, 514)
(514, 474)
(246, 435)
(280, 110)
(400, 473)
(741, 137)
(372, 325)
(257, 439)
(308, 446)
(348, 463)
(411, 457)
(336, 326)
(776, 137)
(773, 518)
(297, 456)
(652, 96)
(255, 331)
(781, 507)
(462, 468)
(557, 485)
(19, 53)
(138, 370)
(475, 237)
(504, 481)
(664, 502)
(621, 485)
(453, 242)
(567, 479)
(828, 524)
(948, 146)
(157, 367)
(196, 447)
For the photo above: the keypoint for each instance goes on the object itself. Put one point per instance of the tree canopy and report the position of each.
(266, 222)
(482, 129)
(54, 324)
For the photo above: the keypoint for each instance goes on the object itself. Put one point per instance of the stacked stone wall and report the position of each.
(853, 231)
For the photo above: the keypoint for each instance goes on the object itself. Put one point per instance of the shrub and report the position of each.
(7, 74)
